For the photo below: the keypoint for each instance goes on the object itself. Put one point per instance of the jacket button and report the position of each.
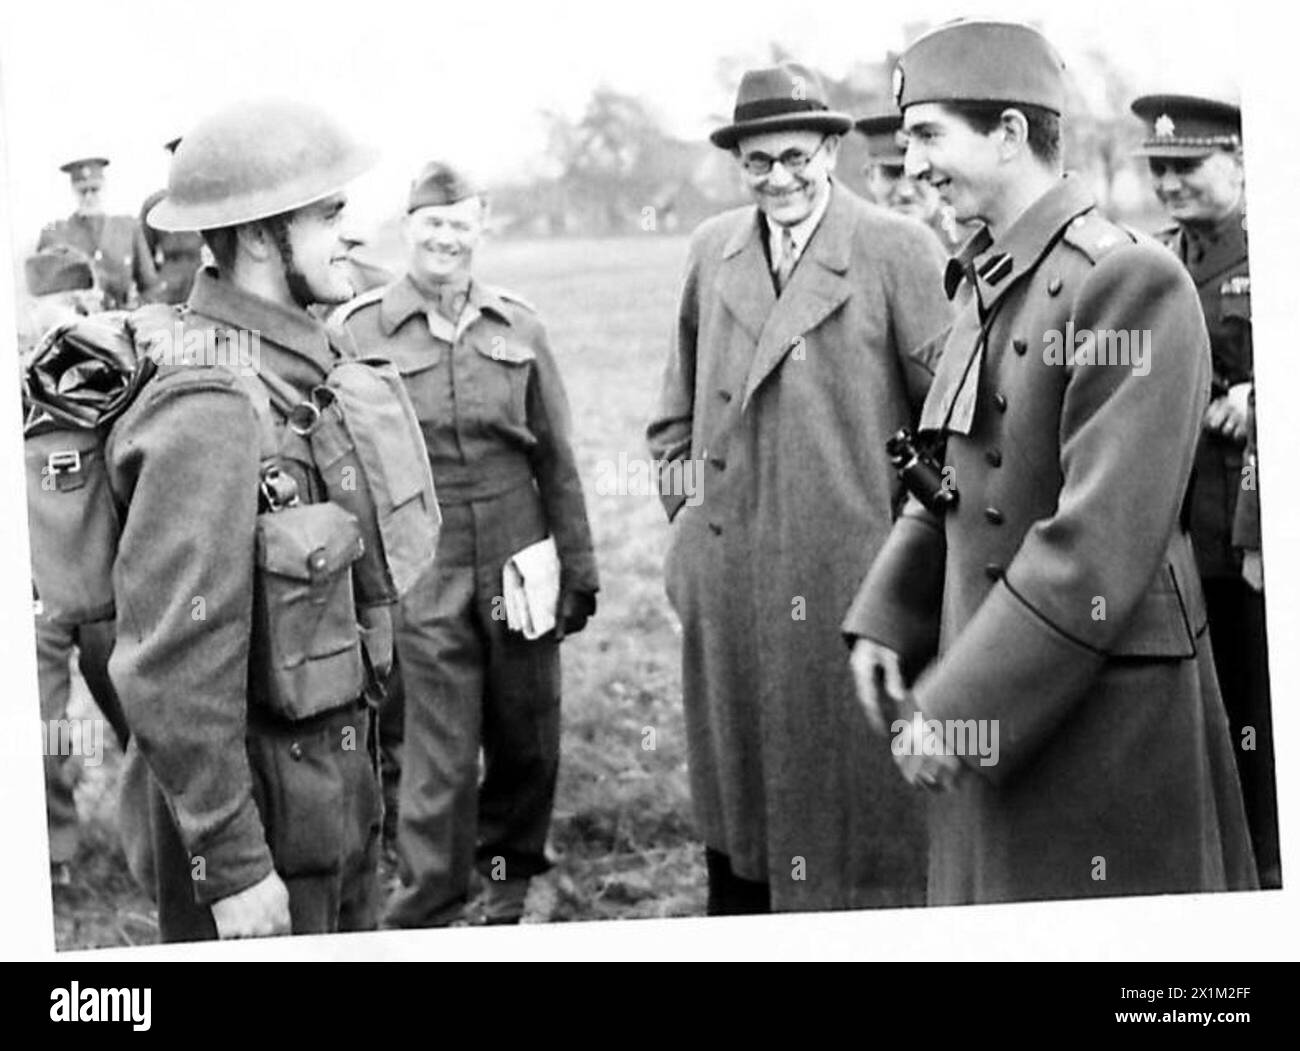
(715, 529)
(1019, 346)
(994, 458)
(994, 515)
(1000, 402)
(993, 571)
(725, 395)
(1054, 286)
(295, 751)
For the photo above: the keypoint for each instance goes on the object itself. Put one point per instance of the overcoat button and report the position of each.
(715, 529)
(725, 395)
(1054, 286)
(994, 458)
(719, 463)
(295, 751)
(993, 571)
(994, 515)
(1019, 346)
(1000, 402)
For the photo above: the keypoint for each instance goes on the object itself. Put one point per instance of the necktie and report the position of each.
(785, 265)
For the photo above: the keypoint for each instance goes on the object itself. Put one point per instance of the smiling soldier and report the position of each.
(801, 346)
(1193, 148)
(496, 424)
(1057, 596)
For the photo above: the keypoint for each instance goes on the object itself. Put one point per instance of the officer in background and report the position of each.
(115, 244)
(62, 286)
(177, 255)
(243, 821)
(1193, 148)
(890, 187)
(1039, 585)
(496, 422)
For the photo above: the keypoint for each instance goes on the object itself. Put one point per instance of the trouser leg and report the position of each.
(94, 647)
(521, 754)
(1237, 632)
(391, 727)
(54, 679)
(180, 917)
(442, 655)
(731, 895)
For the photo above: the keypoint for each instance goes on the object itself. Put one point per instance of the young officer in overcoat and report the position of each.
(1057, 603)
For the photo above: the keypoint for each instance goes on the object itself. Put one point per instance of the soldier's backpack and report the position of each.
(379, 528)
(77, 381)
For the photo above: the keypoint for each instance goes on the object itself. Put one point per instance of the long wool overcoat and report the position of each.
(785, 403)
(1061, 592)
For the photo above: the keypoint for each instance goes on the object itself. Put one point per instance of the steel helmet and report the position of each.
(254, 160)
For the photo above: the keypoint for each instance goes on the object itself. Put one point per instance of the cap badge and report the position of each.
(1164, 126)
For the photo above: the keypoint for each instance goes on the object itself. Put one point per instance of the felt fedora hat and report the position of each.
(780, 98)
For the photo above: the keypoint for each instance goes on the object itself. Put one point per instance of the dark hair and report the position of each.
(223, 242)
(1044, 125)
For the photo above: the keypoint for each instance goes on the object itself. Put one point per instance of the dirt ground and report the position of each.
(622, 837)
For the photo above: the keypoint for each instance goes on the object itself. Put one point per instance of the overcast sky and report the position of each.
(122, 77)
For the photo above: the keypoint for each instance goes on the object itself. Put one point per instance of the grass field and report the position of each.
(622, 837)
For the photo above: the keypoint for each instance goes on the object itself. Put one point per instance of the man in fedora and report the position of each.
(891, 187)
(801, 346)
(115, 244)
(1193, 149)
(1048, 604)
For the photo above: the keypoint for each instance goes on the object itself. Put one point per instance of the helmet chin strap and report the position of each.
(299, 287)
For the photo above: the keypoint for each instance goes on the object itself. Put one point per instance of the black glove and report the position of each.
(573, 611)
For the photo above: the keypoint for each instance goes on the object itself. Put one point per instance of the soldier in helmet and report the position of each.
(243, 820)
(176, 255)
(1193, 149)
(115, 244)
(492, 406)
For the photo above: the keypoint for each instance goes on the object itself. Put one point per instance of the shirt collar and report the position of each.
(801, 231)
(293, 329)
(403, 300)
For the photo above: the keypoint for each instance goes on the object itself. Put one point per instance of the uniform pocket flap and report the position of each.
(501, 348)
(1161, 625)
(308, 543)
(410, 360)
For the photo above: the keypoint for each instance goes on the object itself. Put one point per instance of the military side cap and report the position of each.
(85, 167)
(58, 269)
(438, 184)
(780, 98)
(882, 139)
(1185, 126)
(975, 61)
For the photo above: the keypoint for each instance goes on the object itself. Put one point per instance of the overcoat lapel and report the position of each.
(817, 288)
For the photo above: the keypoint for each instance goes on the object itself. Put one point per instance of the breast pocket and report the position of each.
(507, 367)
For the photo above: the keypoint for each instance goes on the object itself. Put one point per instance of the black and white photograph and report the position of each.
(648, 471)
